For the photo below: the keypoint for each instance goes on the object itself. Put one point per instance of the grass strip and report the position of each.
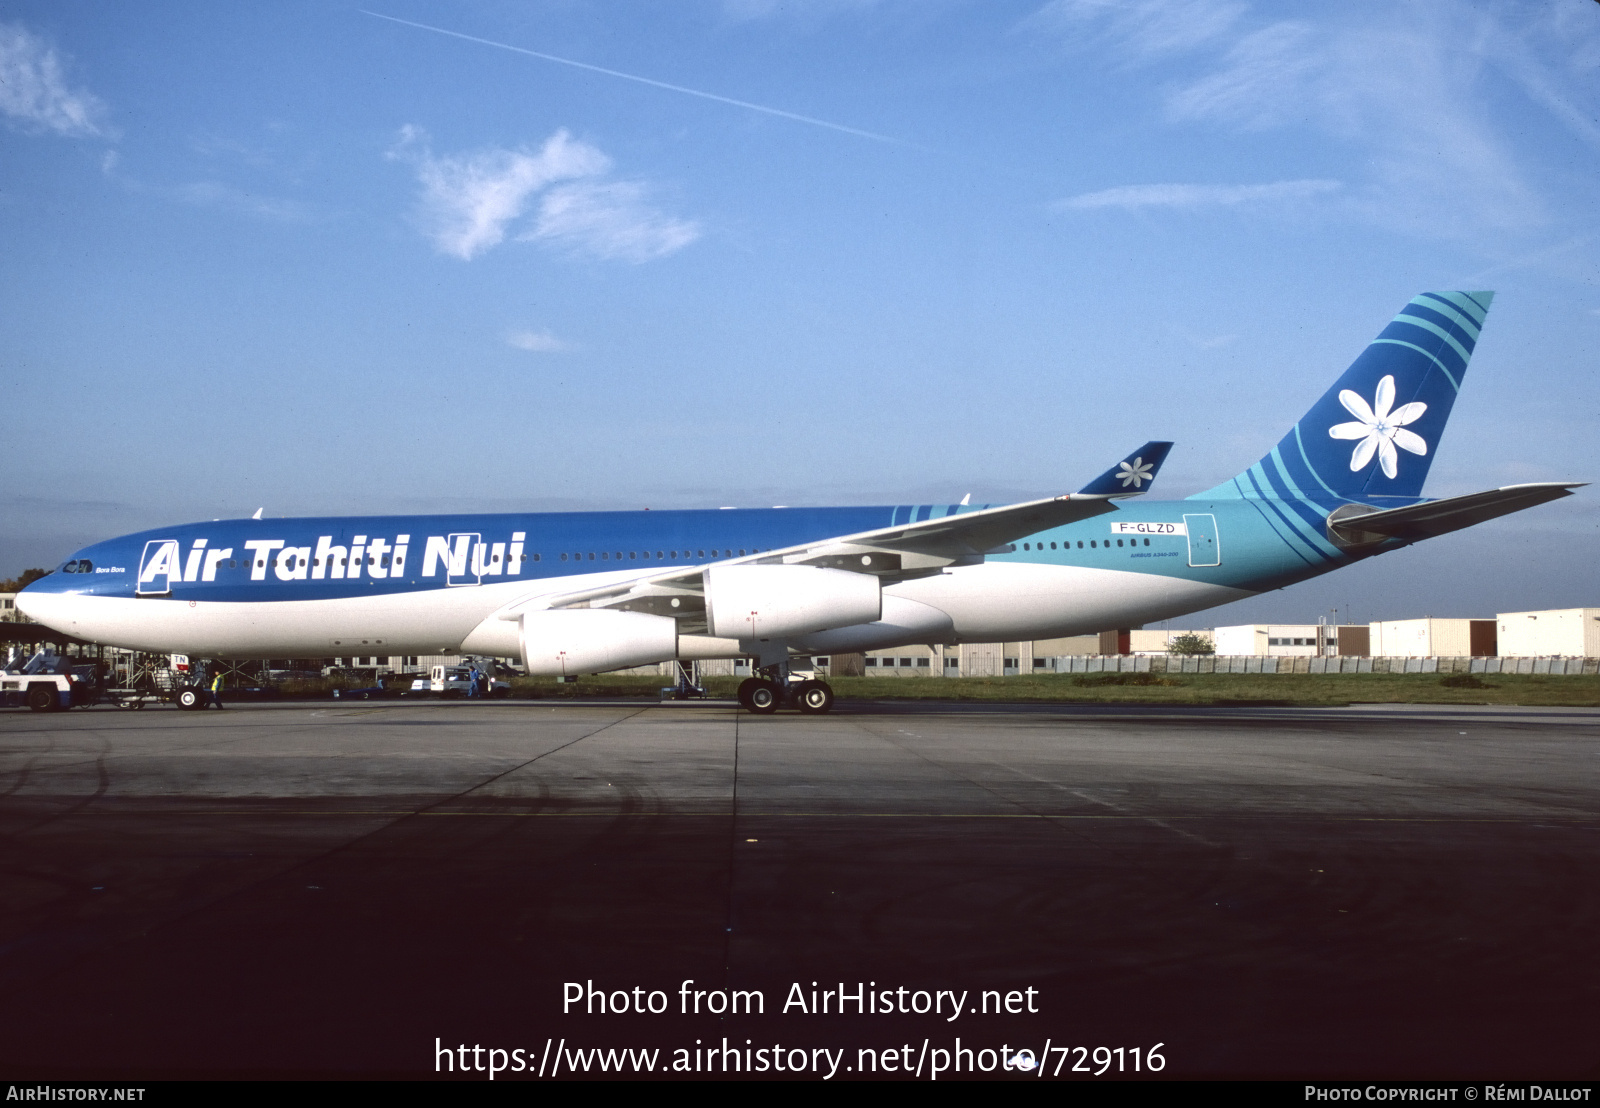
(1227, 689)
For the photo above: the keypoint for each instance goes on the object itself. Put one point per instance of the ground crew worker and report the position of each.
(216, 689)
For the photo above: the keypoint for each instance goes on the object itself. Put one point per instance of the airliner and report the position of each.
(588, 592)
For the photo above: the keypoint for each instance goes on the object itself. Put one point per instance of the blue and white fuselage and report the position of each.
(578, 592)
(429, 584)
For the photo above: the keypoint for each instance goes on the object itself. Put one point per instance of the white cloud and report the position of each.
(766, 9)
(33, 88)
(610, 220)
(1265, 79)
(1147, 28)
(1532, 55)
(1402, 98)
(470, 200)
(538, 342)
(1138, 197)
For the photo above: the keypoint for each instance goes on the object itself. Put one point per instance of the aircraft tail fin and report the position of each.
(1372, 436)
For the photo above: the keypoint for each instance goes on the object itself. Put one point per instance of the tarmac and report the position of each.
(317, 889)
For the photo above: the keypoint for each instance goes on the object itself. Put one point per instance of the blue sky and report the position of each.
(302, 257)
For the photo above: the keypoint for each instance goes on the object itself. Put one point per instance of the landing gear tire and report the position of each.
(189, 699)
(43, 698)
(765, 698)
(813, 697)
(745, 688)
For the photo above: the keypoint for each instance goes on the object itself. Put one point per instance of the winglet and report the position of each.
(1132, 475)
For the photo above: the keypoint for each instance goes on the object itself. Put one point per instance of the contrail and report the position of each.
(645, 80)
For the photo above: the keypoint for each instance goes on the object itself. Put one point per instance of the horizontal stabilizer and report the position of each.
(1356, 525)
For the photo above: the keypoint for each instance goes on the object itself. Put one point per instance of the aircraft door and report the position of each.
(466, 558)
(157, 567)
(1204, 550)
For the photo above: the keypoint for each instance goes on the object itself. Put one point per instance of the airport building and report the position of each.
(1433, 638)
(1561, 633)
(1564, 632)
(1278, 640)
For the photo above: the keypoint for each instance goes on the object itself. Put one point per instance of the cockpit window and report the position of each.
(78, 565)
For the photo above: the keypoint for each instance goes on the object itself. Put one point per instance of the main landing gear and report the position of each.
(763, 696)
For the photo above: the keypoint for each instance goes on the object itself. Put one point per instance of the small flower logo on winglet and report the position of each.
(1135, 473)
(1379, 429)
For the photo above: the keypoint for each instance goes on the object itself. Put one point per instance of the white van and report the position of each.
(456, 681)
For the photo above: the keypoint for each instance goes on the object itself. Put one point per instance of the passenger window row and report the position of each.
(579, 556)
(660, 555)
(1093, 544)
(399, 563)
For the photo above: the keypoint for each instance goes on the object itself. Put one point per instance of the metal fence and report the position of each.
(1142, 663)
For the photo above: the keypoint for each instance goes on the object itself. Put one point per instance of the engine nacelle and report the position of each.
(903, 621)
(569, 641)
(776, 602)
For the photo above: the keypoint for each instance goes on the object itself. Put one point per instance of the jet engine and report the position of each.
(774, 602)
(569, 641)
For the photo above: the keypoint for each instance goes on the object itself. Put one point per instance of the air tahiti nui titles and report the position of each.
(456, 555)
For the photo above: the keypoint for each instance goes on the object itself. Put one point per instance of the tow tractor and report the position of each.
(48, 682)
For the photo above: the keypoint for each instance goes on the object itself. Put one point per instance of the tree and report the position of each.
(29, 576)
(1191, 644)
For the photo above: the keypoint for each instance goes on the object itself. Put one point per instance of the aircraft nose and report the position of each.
(50, 601)
(33, 600)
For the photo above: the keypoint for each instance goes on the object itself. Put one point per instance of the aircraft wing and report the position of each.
(1439, 517)
(987, 530)
(906, 550)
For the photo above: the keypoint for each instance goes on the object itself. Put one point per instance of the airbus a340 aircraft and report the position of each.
(575, 593)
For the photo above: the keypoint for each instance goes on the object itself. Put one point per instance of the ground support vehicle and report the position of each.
(162, 679)
(689, 685)
(49, 682)
(450, 682)
(188, 697)
(390, 685)
(135, 699)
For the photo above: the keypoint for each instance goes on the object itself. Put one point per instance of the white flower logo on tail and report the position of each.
(1135, 474)
(1379, 429)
